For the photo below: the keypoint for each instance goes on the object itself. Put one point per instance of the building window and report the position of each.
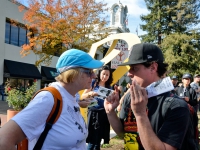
(16, 33)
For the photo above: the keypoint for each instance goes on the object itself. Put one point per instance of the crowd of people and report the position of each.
(162, 122)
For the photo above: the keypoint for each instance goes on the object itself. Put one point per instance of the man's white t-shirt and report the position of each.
(68, 133)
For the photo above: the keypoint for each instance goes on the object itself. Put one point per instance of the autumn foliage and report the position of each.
(57, 25)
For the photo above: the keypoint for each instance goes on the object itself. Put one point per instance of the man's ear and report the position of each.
(154, 67)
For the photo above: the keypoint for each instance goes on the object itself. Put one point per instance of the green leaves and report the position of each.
(170, 25)
(18, 99)
(167, 17)
(181, 55)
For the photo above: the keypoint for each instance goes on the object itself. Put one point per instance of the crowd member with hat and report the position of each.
(196, 87)
(75, 73)
(186, 92)
(174, 80)
(141, 121)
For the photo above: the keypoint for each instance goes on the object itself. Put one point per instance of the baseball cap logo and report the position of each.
(149, 57)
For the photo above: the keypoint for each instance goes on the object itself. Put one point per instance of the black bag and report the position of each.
(191, 138)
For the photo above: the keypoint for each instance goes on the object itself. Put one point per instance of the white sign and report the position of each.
(159, 87)
(123, 47)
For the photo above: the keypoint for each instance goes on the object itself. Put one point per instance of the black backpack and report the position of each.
(191, 138)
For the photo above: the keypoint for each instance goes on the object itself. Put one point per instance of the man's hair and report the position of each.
(162, 67)
(68, 76)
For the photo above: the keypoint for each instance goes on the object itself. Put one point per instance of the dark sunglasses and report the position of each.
(90, 73)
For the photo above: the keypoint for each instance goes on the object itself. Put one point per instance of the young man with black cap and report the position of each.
(148, 123)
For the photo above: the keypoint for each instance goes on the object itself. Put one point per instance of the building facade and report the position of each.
(20, 71)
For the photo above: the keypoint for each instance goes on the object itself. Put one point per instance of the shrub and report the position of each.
(18, 99)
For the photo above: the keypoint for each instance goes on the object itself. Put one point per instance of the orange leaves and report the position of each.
(70, 22)
(21, 8)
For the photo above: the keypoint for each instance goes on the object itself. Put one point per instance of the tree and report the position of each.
(57, 25)
(181, 52)
(169, 16)
(169, 24)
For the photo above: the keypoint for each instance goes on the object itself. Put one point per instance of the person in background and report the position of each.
(174, 80)
(121, 100)
(75, 73)
(196, 87)
(98, 124)
(186, 92)
(128, 86)
(127, 90)
(2, 91)
(141, 121)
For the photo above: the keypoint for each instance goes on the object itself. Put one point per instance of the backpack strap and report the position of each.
(167, 102)
(53, 116)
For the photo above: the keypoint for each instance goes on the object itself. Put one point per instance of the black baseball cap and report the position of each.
(187, 75)
(174, 77)
(144, 52)
(196, 75)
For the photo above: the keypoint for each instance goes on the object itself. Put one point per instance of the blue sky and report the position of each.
(135, 9)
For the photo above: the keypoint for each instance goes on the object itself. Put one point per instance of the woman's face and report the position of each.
(85, 78)
(104, 76)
